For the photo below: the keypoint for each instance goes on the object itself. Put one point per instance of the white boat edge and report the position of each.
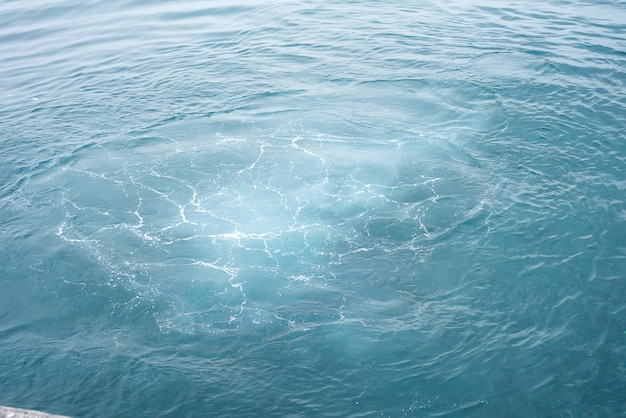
(8, 412)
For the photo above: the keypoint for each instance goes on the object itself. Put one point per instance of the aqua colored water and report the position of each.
(320, 208)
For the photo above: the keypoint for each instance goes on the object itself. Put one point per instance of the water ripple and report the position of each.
(320, 208)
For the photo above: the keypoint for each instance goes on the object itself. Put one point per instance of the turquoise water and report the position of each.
(321, 208)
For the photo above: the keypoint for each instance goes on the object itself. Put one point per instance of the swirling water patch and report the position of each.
(316, 208)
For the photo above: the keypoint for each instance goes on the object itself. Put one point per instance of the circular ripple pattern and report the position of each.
(268, 208)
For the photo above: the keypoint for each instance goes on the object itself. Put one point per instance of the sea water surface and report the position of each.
(313, 208)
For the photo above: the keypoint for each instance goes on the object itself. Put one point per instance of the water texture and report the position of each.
(321, 208)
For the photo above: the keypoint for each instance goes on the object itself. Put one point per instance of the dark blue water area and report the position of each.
(351, 209)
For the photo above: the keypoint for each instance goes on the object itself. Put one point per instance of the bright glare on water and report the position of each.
(320, 208)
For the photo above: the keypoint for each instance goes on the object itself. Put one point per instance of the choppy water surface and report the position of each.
(313, 208)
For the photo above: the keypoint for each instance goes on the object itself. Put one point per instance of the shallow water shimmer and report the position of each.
(322, 208)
